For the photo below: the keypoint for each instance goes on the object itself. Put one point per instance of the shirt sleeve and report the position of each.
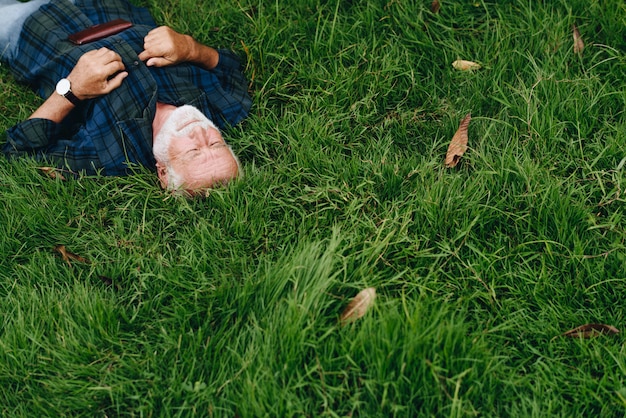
(229, 68)
(46, 141)
(229, 73)
(30, 136)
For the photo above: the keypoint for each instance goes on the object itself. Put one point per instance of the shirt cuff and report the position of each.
(228, 61)
(30, 136)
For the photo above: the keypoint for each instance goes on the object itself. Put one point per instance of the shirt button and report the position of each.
(136, 63)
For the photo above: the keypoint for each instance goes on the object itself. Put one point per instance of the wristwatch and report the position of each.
(64, 89)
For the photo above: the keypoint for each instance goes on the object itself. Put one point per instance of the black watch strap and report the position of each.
(73, 99)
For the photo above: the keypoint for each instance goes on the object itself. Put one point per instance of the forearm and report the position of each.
(55, 108)
(202, 55)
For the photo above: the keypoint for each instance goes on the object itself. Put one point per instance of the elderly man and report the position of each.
(145, 95)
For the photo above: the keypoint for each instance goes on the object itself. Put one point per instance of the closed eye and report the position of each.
(190, 154)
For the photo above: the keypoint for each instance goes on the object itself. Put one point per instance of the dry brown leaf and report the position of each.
(464, 65)
(458, 144)
(579, 45)
(109, 282)
(359, 305)
(68, 256)
(591, 330)
(52, 172)
(435, 6)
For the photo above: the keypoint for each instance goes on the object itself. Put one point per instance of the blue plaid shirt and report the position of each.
(112, 133)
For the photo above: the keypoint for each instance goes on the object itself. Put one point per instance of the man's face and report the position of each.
(191, 153)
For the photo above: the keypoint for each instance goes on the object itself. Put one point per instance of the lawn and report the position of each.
(119, 299)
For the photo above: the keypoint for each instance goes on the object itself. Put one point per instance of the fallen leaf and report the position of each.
(458, 144)
(591, 330)
(435, 6)
(464, 65)
(109, 282)
(359, 305)
(579, 45)
(52, 172)
(68, 256)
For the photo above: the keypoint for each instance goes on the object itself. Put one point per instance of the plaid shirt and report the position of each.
(112, 133)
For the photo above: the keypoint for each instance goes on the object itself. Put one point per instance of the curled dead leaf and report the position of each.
(68, 256)
(359, 305)
(591, 330)
(464, 65)
(435, 6)
(579, 45)
(52, 172)
(110, 282)
(458, 144)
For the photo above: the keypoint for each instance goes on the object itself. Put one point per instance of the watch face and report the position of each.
(63, 86)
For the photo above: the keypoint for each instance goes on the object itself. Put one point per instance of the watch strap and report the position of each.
(72, 98)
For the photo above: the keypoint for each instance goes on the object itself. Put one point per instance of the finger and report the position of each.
(153, 35)
(104, 56)
(113, 67)
(151, 50)
(153, 31)
(104, 52)
(116, 81)
(113, 57)
(144, 55)
(159, 30)
(148, 55)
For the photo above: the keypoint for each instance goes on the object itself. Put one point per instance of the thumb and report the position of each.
(158, 62)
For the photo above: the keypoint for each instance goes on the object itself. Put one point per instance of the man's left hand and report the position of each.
(164, 46)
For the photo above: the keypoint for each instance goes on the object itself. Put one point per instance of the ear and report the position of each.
(162, 174)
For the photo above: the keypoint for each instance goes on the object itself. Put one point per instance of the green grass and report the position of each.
(230, 305)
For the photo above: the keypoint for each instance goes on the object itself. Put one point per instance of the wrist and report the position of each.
(193, 52)
(64, 89)
(202, 55)
(55, 108)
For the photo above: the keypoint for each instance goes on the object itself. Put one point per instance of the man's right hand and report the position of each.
(97, 73)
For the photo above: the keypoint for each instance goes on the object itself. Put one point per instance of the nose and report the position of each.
(198, 133)
(206, 135)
